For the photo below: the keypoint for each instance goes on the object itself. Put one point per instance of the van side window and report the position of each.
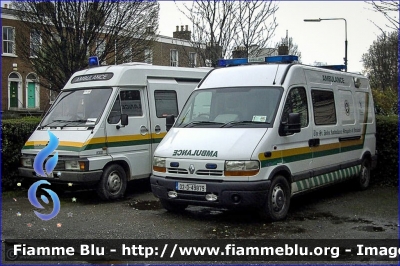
(131, 103)
(166, 103)
(323, 107)
(115, 114)
(296, 102)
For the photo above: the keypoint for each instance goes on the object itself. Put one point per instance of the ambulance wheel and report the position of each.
(173, 206)
(365, 175)
(113, 183)
(278, 200)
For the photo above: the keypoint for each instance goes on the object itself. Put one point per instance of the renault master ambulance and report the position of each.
(108, 121)
(253, 136)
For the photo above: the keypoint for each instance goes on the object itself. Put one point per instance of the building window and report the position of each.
(8, 40)
(192, 59)
(127, 55)
(36, 42)
(148, 56)
(174, 58)
(100, 47)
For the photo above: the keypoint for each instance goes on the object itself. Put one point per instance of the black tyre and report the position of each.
(278, 200)
(173, 206)
(113, 183)
(365, 175)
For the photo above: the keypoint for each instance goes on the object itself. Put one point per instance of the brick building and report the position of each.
(20, 88)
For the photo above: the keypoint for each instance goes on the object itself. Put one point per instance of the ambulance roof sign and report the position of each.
(92, 77)
(256, 59)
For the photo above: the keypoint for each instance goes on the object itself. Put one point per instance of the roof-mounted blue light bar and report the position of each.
(268, 59)
(281, 59)
(335, 67)
(93, 61)
(232, 62)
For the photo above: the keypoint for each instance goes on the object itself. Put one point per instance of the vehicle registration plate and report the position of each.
(191, 187)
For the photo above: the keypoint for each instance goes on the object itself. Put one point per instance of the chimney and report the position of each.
(182, 34)
(283, 50)
(5, 6)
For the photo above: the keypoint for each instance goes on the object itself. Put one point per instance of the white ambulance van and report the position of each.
(108, 121)
(253, 136)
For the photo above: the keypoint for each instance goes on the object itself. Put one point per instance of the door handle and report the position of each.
(313, 142)
(143, 130)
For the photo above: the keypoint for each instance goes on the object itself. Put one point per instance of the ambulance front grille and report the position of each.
(209, 172)
(60, 166)
(177, 171)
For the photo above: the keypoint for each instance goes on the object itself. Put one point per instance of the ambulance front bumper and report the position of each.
(87, 178)
(228, 194)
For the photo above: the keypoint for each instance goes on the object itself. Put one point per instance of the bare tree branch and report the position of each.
(224, 25)
(68, 32)
(389, 9)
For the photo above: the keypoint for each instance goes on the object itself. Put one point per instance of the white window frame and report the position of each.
(174, 58)
(33, 45)
(100, 47)
(127, 55)
(8, 40)
(192, 59)
(148, 56)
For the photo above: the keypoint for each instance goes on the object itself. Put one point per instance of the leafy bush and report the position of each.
(15, 132)
(385, 101)
(387, 146)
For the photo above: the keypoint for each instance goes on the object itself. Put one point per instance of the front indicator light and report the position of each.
(159, 164)
(241, 168)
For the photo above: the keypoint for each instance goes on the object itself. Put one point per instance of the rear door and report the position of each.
(133, 141)
(166, 97)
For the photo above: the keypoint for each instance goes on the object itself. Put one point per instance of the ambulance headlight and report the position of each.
(26, 162)
(241, 168)
(159, 164)
(76, 165)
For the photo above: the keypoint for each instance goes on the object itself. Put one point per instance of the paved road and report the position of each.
(334, 213)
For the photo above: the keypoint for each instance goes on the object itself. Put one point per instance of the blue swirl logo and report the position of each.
(38, 166)
(43, 154)
(32, 198)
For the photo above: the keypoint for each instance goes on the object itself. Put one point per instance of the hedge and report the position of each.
(15, 132)
(387, 145)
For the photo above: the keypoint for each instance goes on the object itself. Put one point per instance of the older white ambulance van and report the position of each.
(252, 136)
(108, 121)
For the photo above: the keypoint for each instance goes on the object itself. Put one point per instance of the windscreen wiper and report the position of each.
(243, 122)
(195, 123)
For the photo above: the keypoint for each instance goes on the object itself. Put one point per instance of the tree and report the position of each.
(292, 47)
(390, 9)
(63, 34)
(381, 67)
(221, 26)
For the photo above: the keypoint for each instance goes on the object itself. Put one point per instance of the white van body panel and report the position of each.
(98, 139)
(335, 141)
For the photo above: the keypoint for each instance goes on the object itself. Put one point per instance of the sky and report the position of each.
(317, 41)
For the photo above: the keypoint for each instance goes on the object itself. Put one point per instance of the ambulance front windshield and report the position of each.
(77, 108)
(231, 107)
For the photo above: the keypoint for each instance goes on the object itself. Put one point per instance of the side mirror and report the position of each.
(169, 121)
(124, 119)
(293, 125)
